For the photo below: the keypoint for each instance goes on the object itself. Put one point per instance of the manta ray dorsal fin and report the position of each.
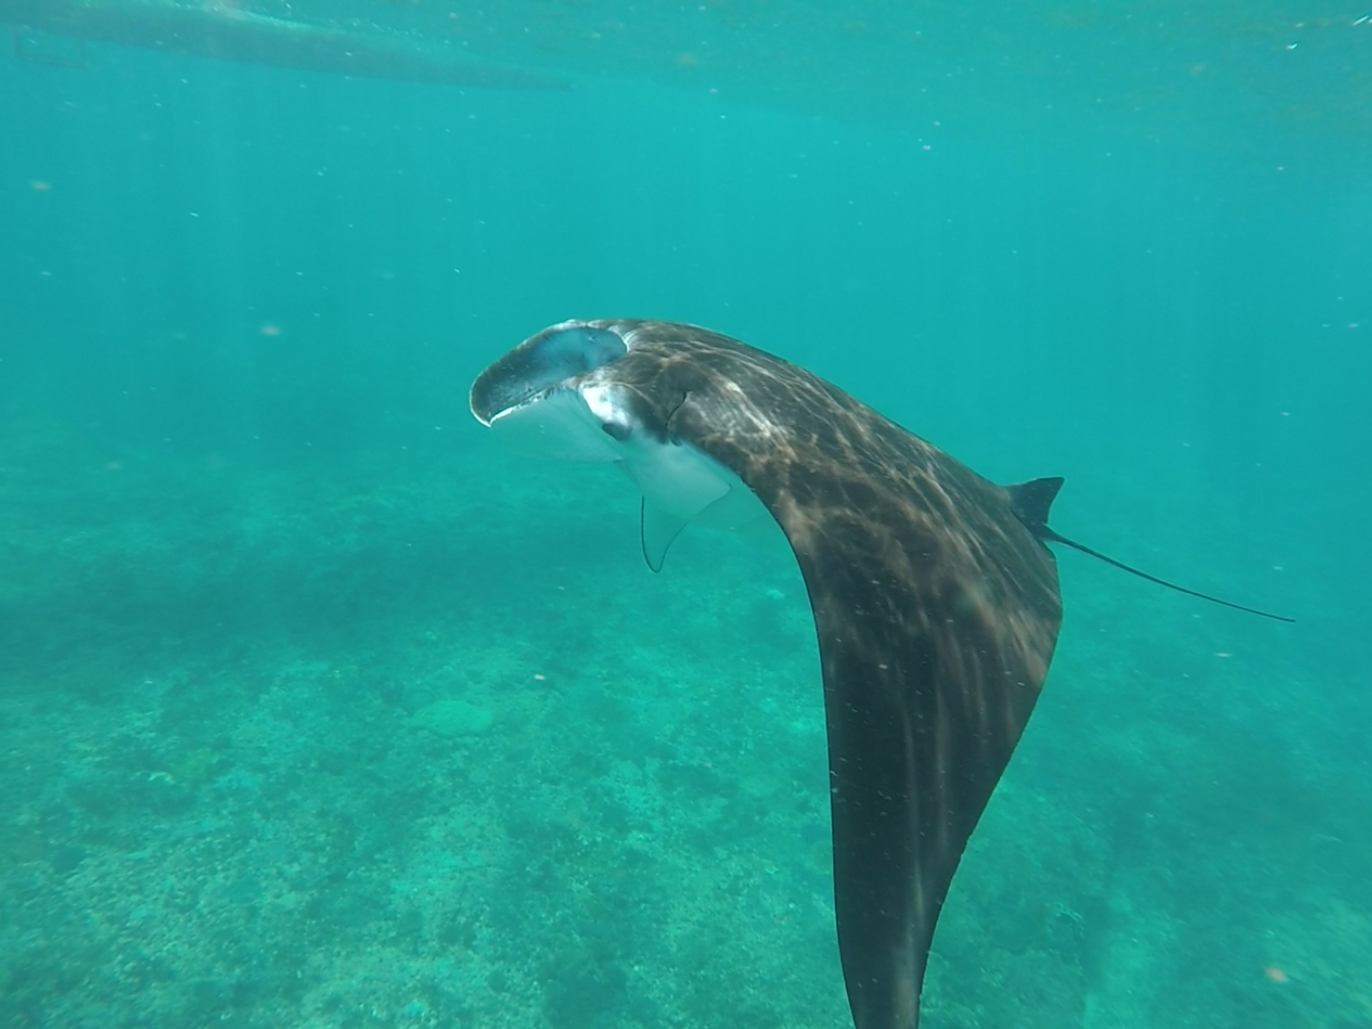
(1032, 500)
(658, 530)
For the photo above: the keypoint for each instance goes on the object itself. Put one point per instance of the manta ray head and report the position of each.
(533, 398)
(560, 396)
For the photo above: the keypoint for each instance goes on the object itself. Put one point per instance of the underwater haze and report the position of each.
(318, 710)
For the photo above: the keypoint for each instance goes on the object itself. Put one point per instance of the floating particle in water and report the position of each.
(1275, 974)
(269, 329)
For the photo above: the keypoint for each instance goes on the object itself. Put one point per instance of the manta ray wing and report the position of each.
(936, 611)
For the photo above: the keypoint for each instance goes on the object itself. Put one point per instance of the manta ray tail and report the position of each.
(1033, 499)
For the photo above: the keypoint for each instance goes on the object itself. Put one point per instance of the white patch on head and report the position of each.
(678, 479)
(606, 405)
(675, 478)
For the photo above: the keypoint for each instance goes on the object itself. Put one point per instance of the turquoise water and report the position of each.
(318, 710)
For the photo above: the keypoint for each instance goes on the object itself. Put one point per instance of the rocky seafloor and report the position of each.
(378, 744)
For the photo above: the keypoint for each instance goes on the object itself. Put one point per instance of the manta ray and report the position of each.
(934, 594)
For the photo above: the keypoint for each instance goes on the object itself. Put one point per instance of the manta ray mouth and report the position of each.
(542, 363)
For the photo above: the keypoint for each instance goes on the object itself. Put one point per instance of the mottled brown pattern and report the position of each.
(936, 610)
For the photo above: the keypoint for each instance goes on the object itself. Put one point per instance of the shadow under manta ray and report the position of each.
(935, 600)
